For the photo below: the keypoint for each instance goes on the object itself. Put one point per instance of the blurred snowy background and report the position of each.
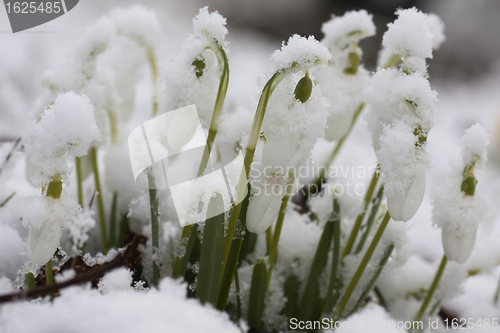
(465, 72)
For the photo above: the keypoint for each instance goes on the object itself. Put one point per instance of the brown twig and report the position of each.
(130, 258)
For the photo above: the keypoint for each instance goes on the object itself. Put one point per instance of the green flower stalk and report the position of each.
(254, 137)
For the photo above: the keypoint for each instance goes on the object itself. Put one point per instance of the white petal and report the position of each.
(337, 126)
(263, 210)
(395, 204)
(459, 247)
(414, 197)
(278, 154)
(42, 243)
(402, 207)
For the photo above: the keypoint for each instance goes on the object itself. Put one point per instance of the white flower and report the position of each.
(43, 242)
(45, 216)
(66, 130)
(264, 206)
(457, 209)
(403, 206)
(278, 154)
(459, 248)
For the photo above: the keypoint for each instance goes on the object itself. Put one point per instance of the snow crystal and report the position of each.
(119, 279)
(399, 160)
(79, 227)
(348, 28)
(394, 96)
(65, 275)
(41, 210)
(137, 22)
(300, 50)
(181, 81)
(6, 286)
(287, 116)
(11, 245)
(83, 309)
(66, 129)
(455, 212)
(212, 24)
(474, 143)
(411, 34)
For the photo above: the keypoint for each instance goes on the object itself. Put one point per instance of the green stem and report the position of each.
(354, 232)
(433, 288)
(269, 238)
(48, 272)
(214, 123)
(238, 297)
(252, 144)
(219, 103)
(79, 180)
(334, 282)
(364, 262)
(112, 220)
(153, 200)
(339, 145)
(371, 220)
(273, 250)
(7, 200)
(154, 75)
(100, 204)
(497, 293)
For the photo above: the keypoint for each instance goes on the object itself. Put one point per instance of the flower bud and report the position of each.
(199, 66)
(459, 247)
(265, 203)
(353, 63)
(263, 210)
(403, 206)
(43, 242)
(303, 88)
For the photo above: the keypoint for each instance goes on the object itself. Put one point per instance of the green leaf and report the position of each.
(112, 221)
(309, 303)
(7, 200)
(211, 252)
(291, 292)
(335, 280)
(29, 281)
(234, 255)
(257, 295)
(371, 219)
(303, 88)
(374, 278)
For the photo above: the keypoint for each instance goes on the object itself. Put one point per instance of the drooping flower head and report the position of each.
(458, 208)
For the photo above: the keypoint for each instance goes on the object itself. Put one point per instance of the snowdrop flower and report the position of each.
(402, 104)
(265, 204)
(294, 121)
(292, 127)
(46, 216)
(458, 208)
(66, 130)
(193, 77)
(344, 80)
(413, 35)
